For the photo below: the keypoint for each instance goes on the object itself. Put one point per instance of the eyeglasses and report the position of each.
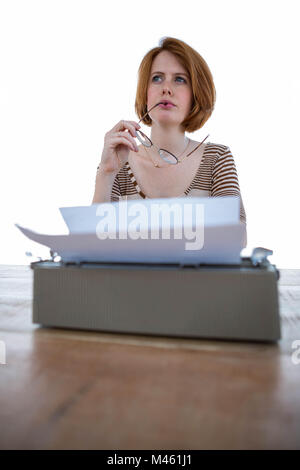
(164, 154)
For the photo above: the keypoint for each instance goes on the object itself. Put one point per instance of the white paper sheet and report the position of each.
(217, 211)
(222, 242)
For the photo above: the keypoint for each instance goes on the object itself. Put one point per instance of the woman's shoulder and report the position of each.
(211, 147)
(212, 151)
(216, 148)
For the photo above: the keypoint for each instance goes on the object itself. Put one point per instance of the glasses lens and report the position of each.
(143, 139)
(168, 157)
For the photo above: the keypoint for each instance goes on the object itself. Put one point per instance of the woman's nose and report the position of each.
(167, 89)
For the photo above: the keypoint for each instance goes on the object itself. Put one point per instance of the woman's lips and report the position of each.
(166, 106)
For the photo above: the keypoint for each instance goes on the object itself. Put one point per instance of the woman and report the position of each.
(175, 73)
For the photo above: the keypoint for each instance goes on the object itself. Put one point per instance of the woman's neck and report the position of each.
(169, 139)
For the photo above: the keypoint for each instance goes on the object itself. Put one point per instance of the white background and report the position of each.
(69, 73)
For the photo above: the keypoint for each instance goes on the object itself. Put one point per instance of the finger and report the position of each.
(128, 136)
(130, 125)
(122, 140)
(132, 129)
(135, 124)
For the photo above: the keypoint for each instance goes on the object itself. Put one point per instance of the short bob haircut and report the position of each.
(203, 89)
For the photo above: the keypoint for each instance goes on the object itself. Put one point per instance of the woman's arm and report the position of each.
(103, 185)
(225, 183)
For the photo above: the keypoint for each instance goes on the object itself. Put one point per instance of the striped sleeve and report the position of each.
(116, 190)
(225, 182)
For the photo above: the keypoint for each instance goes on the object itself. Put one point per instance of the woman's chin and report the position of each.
(167, 122)
(165, 118)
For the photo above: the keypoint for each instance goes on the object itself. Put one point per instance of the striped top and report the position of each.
(216, 176)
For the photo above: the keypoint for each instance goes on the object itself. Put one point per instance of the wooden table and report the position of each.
(62, 389)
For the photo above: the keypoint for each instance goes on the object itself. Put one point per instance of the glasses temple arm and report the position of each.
(197, 146)
(148, 112)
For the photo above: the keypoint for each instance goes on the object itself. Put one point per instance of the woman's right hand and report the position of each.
(117, 145)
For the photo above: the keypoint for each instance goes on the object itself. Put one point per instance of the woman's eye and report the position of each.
(158, 76)
(181, 78)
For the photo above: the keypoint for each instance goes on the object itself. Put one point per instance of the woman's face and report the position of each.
(169, 81)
